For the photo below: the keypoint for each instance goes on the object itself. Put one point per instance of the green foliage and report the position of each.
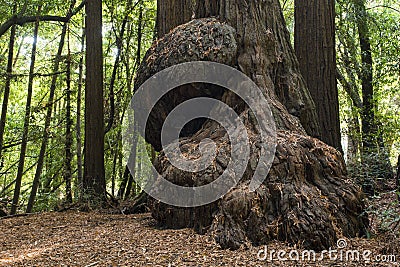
(288, 13)
(52, 185)
(46, 202)
(384, 21)
(383, 18)
(370, 173)
(383, 211)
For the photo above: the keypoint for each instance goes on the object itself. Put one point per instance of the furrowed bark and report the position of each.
(306, 198)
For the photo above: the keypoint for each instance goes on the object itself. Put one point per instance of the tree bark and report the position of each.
(306, 197)
(124, 182)
(68, 130)
(94, 184)
(133, 171)
(314, 42)
(368, 124)
(78, 117)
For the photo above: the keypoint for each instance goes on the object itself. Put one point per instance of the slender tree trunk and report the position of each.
(135, 142)
(368, 125)
(130, 185)
(7, 86)
(354, 140)
(119, 43)
(25, 133)
(114, 168)
(353, 134)
(398, 178)
(127, 179)
(139, 38)
(78, 117)
(94, 174)
(19, 51)
(139, 169)
(121, 166)
(315, 49)
(117, 150)
(132, 171)
(68, 130)
(46, 131)
(375, 163)
(7, 89)
(124, 182)
(51, 179)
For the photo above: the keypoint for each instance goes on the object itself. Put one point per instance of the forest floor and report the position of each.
(97, 239)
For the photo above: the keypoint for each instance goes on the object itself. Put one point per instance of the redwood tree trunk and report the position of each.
(306, 197)
(94, 173)
(314, 42)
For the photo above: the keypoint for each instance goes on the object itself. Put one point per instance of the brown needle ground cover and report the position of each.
(97, 239)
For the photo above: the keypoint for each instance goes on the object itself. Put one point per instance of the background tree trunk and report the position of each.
(314, 43)
(68, 130)
(132, 175)
(306, 197)
(369, 127)
(124, 182)
(375, 159)
(78, 117)
(94, 173)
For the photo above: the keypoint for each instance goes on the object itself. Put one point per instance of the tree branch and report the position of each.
(384, 6)
(348, 88)
(21, 20)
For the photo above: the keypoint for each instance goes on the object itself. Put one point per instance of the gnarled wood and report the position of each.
(306, 198)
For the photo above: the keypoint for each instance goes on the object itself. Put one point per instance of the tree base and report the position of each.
(305, 200)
